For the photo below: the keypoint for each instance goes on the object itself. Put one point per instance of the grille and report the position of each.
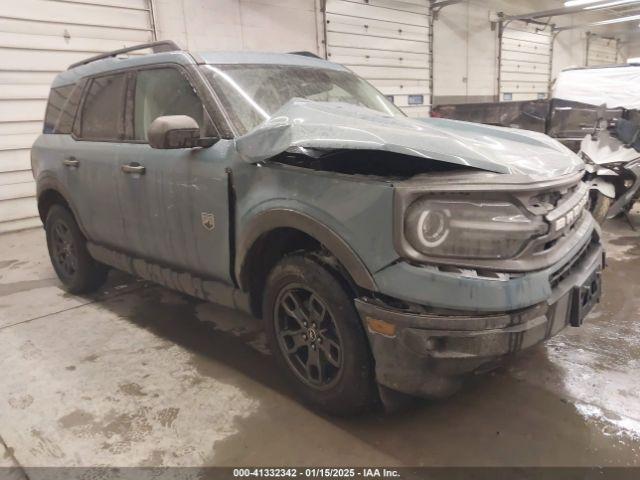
(568, 268)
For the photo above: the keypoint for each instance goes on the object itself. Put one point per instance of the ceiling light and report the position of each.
(575, 3)
(610, 4)
(617, 20)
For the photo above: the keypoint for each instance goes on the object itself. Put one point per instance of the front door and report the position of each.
(175, 202)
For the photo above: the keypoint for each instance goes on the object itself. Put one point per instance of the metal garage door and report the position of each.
(386, 42)
(601, 51)
(525, 61)
(39, 38)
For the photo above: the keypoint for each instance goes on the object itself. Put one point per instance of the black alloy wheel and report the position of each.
(308, 336)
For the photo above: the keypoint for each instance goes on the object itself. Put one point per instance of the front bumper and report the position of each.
(428, 355)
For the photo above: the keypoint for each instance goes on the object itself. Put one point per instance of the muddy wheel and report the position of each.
(315, 333)
(76, 269)
(600, 205)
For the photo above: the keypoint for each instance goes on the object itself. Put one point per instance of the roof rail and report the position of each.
(306, 54)
(157, 47)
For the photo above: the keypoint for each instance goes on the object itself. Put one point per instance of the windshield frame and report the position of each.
(209, 69)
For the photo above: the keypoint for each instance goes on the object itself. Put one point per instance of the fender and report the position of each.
(288, 218)
(48, 181)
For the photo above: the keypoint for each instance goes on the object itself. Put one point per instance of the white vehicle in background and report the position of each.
(594, 111)
(611, 149)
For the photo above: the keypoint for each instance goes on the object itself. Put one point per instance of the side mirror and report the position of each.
(176, 131)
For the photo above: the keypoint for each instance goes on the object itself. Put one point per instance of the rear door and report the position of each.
(175, 202)
(91, 160)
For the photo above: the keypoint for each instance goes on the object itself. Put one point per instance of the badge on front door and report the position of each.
(208, 221)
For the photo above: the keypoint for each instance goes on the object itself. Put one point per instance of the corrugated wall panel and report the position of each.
(602, 51)
(39, 38)
(385, 42)
(525, 61)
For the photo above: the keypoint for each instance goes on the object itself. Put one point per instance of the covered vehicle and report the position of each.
(611, 148)
(588, 110)
(384, 255)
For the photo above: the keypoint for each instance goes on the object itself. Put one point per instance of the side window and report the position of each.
(102, 111)
(163, 91)
(58, 98)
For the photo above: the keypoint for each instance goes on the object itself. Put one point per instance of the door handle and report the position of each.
(133, 168)
(71, 162)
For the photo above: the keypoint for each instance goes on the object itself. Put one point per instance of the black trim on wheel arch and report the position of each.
(288, 218)
(48, 181)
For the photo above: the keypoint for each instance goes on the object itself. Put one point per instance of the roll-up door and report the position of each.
(387, 43)
(525, 61)
(601, 51)
(39, 38)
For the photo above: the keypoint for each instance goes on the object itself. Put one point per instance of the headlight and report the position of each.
(469, 229)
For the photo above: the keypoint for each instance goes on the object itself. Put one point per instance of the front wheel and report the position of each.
(315, 333)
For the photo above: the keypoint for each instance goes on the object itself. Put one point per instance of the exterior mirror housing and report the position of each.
(176, 131)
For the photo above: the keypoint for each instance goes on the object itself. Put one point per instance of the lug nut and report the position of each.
(305, 324)
(313, 346)
(304, 336)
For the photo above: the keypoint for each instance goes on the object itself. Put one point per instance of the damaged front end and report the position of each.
(493, 249)
(319, 127)
(489, 265)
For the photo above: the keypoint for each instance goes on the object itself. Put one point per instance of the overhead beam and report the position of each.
(559, 11)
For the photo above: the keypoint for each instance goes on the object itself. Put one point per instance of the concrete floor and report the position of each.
(139, 375)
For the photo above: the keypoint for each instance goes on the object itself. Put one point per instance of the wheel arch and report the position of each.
(51, 192)
(277, 232)
(49, 198)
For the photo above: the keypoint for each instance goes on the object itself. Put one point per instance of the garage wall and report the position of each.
(387, 43)
(466, 48)
(39, 38)
(602, 50)
(525, 61)
(263, 25)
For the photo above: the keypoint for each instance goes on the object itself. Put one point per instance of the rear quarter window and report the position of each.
(61, 108)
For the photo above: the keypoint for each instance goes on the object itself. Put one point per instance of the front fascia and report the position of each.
(428, 285)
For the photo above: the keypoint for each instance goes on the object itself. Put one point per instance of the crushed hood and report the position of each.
(338, 126)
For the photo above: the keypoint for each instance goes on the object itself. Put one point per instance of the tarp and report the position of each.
(612, 86)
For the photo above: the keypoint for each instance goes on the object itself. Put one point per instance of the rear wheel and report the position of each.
(316, 336)
(73, 264)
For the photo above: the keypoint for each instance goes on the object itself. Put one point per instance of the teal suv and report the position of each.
(386, 256)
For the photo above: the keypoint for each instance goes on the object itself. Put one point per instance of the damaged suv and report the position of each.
(384, 254)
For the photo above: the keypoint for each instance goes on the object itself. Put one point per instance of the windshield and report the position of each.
(252, 93)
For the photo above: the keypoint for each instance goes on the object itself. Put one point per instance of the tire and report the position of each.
(600, 205)
(328, 362)
(76, 269)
